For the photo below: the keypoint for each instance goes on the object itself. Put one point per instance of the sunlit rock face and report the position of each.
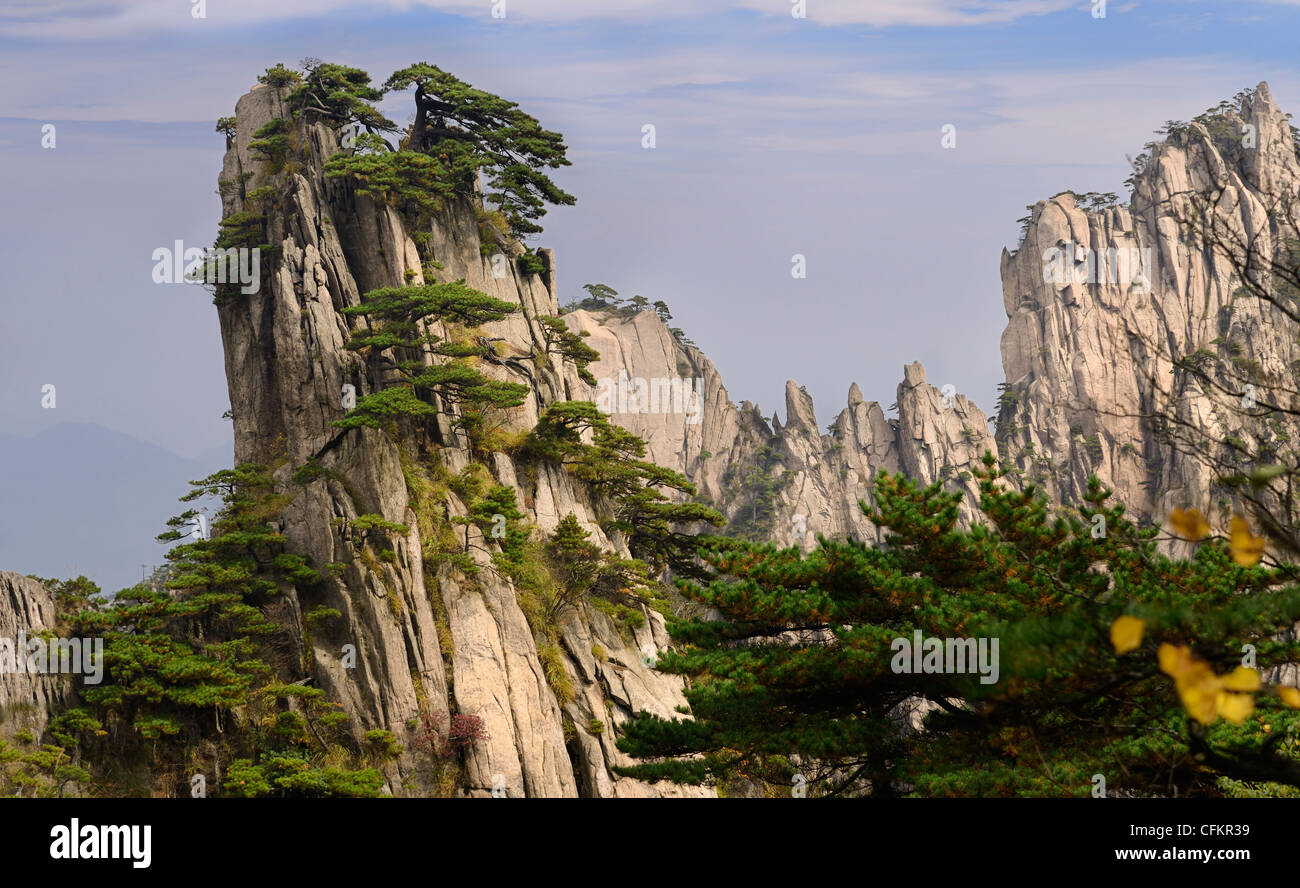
(425, 640)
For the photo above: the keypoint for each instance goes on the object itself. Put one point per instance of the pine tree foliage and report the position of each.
(1114, 659)
(200, 656)
(577, 435)
(399, 318)
(568, 344)
(459, 134)
(470, 130)
(337, 94)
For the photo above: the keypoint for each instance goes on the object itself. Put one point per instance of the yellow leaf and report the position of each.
(1236, 708)
(1126, 634)
(1290, 696)
(1242, 678)
(1246, 548)
(1189, 524)
(1200, 699)
(1174, 661)
(1207, 696)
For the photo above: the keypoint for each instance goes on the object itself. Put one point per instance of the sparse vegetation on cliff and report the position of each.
(200, 668)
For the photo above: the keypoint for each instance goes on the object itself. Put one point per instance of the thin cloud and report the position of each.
(100, 19)
(915, 13)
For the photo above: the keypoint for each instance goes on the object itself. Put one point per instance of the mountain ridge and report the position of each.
(431, 625)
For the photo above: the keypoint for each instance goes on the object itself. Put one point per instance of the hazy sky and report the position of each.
(776, 135)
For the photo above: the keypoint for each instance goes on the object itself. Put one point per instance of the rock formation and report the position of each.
(1103, 302)
(425, 640)
(27, 701)
(787, 483)
(1091, 355)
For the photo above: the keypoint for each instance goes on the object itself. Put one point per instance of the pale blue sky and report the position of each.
(776, 136)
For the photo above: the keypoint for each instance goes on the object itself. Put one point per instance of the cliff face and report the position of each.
(27, 701)
(1089, 363)
(425, 640)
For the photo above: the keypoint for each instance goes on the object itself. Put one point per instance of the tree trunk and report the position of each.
(420, 127)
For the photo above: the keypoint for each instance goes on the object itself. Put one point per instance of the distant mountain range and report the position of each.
(82, 499)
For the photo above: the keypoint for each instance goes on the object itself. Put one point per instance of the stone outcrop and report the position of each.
(27, 701)
(1091, 355)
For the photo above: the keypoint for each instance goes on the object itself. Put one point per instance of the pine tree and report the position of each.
(412, 183)
(471, 130)
(337, 94)
(570, 345)
(661, 532)
(399, 318)
(184, 658)
(1114, 660)
(601, 296)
